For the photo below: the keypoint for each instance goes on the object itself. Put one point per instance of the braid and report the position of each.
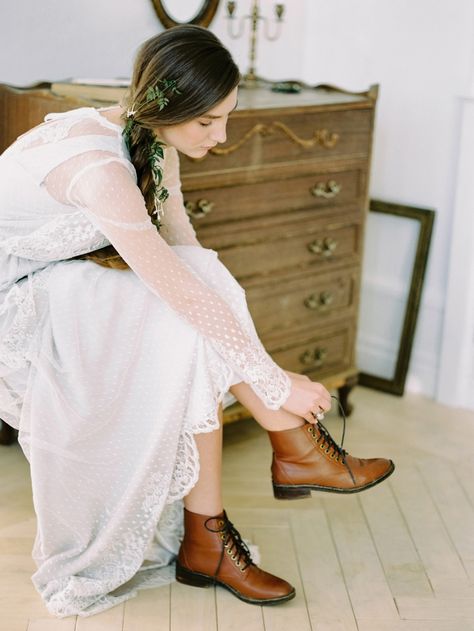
(140, 140)
(188, 68)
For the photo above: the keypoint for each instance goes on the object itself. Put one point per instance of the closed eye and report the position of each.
(204, 124)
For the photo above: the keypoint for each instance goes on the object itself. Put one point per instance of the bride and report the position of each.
(120, 336)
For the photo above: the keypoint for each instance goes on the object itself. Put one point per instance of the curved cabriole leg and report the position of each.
(344, 392)
(7, 434)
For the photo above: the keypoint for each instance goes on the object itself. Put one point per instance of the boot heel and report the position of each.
(188, 577)
(289, 492)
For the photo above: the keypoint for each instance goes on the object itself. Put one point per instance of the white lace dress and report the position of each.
(108, 374)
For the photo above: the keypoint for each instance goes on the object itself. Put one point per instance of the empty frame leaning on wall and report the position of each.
(407, 231)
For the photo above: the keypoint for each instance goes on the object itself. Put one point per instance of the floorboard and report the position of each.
(399, 557)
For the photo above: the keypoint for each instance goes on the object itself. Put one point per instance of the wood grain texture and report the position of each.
(395, 558)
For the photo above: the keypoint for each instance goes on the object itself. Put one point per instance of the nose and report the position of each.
(218, 133)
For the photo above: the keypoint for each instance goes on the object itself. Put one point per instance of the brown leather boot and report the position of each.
(307, 459)
(212, 552)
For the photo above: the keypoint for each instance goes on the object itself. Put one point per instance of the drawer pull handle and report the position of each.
(316, 247)
(327, 191)
(199, 209)
(314, 301)
(314, 357)
(325, 246)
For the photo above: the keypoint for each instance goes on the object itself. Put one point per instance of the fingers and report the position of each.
(321, 405)
(323, 401)
(308, 399)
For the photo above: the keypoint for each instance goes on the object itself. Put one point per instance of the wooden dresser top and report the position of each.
(264, 98)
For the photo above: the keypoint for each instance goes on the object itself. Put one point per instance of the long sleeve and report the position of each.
(104, 188)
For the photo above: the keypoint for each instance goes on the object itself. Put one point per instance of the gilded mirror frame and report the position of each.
(202, 18)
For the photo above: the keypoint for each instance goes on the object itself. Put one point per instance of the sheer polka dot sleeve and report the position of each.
(106, 191)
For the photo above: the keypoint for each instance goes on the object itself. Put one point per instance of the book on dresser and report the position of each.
(284, 203)
(106, 90)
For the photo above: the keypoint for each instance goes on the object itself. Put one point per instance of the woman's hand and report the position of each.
(295, 375)
(307, 398)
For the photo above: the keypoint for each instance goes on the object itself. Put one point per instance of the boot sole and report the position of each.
(196, 579)
(299, 491)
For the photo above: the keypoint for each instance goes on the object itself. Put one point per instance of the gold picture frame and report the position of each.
(203, 17)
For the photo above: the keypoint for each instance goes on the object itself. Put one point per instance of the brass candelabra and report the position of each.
(251, 79)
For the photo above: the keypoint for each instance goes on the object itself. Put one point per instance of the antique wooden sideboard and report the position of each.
(284, 202)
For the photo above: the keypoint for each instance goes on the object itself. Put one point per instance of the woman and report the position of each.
(119, 337)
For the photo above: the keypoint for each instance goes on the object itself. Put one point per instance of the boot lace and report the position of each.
(233, 544)
(326, 441)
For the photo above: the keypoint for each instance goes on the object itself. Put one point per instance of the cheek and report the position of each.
(196, 139)
(186, 137)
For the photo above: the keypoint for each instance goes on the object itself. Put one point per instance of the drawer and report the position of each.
(257, 138)
(257, 252)
(300, 301)
(216, 205)
(327, 351)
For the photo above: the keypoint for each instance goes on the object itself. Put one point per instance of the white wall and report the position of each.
(419, 51)
(53, 39)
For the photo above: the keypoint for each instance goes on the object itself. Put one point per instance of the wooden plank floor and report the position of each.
(399, 557)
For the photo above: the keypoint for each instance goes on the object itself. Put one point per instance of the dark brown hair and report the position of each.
(205, 74)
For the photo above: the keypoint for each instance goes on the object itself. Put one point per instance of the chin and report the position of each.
(199, 152)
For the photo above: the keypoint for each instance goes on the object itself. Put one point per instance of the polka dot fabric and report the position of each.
(109, 374)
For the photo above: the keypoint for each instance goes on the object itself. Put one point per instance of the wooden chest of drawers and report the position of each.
(283, 201)
(284, 204)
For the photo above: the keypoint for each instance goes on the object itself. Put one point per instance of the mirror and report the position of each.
(174, 12)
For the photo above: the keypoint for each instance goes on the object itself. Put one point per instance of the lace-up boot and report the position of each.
(213, 553)
(307, 459)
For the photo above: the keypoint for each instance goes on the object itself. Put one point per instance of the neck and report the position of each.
(114, 114)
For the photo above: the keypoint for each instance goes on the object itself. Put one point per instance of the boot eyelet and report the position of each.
(322, 446)
(328, 450)
(242, 569)
(332, 456)
(229, 551)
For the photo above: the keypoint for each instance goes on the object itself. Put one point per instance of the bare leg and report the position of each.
(205, 498)
(272, 420)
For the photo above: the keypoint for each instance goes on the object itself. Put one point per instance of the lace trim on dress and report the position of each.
(62, 238)
(55, 127)
(77, 595)
(204, 402)
(268, 381)
(16, 345)
(47, 132)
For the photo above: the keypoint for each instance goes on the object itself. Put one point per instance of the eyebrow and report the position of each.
(212, 115)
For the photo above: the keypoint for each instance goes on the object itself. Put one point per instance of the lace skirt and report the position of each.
(108, 386)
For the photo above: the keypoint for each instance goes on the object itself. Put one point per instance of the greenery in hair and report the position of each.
(154, 94)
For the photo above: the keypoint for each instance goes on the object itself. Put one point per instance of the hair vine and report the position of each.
(159, 94)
